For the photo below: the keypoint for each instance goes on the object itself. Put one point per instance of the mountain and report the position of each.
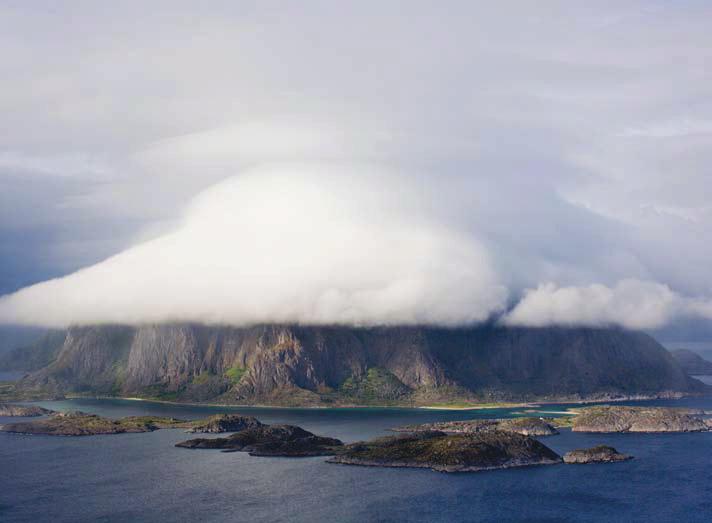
(33, 356)
(692, 363)
(316, 365)
(12, 337)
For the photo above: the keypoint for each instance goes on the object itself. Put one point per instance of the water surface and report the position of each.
(142, 477)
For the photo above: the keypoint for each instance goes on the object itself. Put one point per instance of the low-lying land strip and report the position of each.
(524, 426)
(22, 411)
(83, 424)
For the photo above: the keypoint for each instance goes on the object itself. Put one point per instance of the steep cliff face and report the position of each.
(282, 364)
(89, 359)
(167, 355)
(553, 361)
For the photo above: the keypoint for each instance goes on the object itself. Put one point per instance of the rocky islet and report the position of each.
(458, 446)
(597, 454)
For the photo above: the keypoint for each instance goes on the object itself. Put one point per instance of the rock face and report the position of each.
(484, 450)
(297, 365)
(270, 440)
(86, 361)
(599, 454)
(639, 419)
(225, 423)
(523, 426)
(22, 411)
(692, 363)
(83, 424)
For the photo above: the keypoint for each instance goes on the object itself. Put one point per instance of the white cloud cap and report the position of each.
(285, 244)
(630, 303)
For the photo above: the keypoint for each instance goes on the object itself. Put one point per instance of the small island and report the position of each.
(270, 440)
(598, 454)
(452, 446)
(224, 423)
(483, 450)
(25, 411)
(83, 424)
(523, 426)
(639, 419)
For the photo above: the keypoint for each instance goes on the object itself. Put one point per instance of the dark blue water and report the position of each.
(142, 477)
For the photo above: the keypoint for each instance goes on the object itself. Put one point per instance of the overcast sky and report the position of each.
(361, 162)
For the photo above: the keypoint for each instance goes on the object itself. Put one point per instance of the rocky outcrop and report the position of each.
(270, 440)
(22, 410)
(299, 365)
(638, 419)
(599, 454)
(225, 423)
(83, 424)
(528, 426)
(692, 363)
(483, 450)
(523, 426)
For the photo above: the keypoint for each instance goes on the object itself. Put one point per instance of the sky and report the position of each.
(532, 163)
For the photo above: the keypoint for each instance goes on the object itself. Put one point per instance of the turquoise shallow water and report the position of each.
(142, 477)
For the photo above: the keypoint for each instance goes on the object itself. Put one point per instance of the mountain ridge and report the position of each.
(334, 365)
(692, 363)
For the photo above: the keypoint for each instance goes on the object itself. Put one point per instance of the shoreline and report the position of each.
(472, 407)
(484, 406)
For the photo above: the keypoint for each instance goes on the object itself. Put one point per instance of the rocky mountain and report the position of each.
(310, 365)
(692, 363)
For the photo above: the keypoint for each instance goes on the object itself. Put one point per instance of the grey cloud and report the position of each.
(568, 142)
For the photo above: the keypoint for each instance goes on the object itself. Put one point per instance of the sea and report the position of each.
(143, 477)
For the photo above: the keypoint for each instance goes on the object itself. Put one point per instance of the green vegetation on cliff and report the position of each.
(235, 374)
(203, 378)
(158, 392)
(377, 385)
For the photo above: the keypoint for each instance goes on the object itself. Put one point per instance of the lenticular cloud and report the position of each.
(285, 244)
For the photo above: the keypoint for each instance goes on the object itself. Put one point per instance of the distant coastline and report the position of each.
(471, 407)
